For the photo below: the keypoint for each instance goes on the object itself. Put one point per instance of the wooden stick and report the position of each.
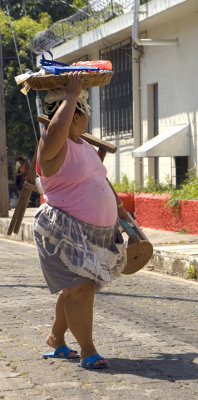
(102, 144)
(95, 141)
(30, 186)
(23, 199)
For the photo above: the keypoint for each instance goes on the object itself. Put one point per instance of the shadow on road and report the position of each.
(168, 367)
(24, 286)
(147, 297)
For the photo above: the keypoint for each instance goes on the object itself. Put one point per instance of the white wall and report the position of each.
(175, 69)
(120, 163)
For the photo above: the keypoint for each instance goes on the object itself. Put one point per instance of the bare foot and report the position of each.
(55, 342)
(85, 354)
(100, 362)
(97, 362)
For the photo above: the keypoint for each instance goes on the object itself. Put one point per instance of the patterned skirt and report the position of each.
(72, 251)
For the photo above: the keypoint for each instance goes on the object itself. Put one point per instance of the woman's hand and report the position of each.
(74, 84)
(102, 154)
(122, 213)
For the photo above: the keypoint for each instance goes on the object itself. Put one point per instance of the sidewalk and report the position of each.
(174, 253)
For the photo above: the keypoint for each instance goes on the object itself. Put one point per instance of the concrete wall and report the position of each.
(174, 68)
(182, 217)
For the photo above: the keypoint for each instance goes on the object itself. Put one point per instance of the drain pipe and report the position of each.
(136, 111)
(136, 99)
(136, 83)
(146, 42)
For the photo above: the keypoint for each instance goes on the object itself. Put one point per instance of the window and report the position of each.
(116, 98)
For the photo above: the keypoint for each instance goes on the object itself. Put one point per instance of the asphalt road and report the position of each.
(145, 324)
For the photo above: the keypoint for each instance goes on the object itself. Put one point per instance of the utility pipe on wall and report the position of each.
(136, 83)
(136, 111)
(146, 42)
(136, 99)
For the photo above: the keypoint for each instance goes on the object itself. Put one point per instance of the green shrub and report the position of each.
(188, 190)
(124, 186)
(192, 272)
(155, 187)
(151, 186)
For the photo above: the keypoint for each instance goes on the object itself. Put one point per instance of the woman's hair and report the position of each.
(55, 97)
(50, 109)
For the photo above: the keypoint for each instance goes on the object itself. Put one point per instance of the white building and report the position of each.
(156, 77)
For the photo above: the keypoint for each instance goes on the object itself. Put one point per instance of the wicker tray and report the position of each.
(47, 82)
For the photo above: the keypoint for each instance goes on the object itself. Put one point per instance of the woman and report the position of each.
(77, 234)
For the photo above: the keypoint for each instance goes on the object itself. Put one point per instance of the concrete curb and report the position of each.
(25, 232)
(185, 266)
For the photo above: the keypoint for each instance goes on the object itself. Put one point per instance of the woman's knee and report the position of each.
(87, 287)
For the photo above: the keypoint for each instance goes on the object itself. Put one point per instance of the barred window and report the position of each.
(116, 98)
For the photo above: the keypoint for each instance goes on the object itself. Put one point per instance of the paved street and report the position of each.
(145, 324)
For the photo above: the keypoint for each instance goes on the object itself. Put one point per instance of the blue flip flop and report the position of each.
(91, 360)
(57, 353)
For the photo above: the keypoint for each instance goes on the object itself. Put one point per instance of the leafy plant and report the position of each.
(20, 136)
(155, 187)
(188, 190)
(183, 231)
(124, 186)
(151, 186)
(192, 272)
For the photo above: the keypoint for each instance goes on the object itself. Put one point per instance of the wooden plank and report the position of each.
(95, 141)
(102, 144)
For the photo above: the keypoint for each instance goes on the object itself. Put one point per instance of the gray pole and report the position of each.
(136, 94)
(3, 151)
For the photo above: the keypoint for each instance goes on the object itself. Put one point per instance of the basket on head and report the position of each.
(49, 81)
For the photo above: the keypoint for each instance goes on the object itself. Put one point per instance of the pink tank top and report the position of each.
(80, 187)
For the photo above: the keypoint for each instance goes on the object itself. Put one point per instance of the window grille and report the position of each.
(116, 98)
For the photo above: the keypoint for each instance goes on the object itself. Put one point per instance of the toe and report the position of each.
(101, 362)
(72, 354)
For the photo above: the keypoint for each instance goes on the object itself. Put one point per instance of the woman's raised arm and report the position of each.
(58, 130)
